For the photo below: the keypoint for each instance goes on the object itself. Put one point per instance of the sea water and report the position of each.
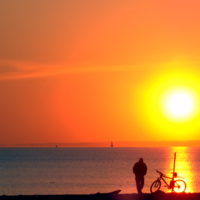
(30, 171)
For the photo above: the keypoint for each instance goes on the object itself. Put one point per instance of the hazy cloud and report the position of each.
(4, 69)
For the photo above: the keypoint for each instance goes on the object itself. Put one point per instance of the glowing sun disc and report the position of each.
(180, 104)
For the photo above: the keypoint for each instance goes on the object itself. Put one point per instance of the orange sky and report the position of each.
(84, 71)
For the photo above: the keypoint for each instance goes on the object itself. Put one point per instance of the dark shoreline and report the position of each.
(99, 196)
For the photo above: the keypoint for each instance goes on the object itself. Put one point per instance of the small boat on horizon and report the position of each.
(111, 145)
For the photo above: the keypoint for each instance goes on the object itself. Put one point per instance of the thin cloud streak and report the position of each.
(22, 70)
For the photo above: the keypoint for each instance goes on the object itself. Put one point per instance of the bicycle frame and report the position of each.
(169, 186)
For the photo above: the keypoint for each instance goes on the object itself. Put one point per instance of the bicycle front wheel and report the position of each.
(155, 186)
(179, 186)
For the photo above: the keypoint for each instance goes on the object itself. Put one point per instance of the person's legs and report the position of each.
(138, 184)
(141, 183)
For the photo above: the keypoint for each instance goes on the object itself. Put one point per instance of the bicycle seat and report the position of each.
(175, 174)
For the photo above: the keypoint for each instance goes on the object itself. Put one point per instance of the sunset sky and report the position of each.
(95, 71)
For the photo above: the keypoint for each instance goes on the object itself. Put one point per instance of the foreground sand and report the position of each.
(168, 196)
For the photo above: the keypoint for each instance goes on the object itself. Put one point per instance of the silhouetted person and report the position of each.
(140, 170)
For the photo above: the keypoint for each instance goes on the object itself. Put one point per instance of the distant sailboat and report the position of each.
(111, 145)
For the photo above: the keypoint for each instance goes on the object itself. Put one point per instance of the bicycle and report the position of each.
(177, 185)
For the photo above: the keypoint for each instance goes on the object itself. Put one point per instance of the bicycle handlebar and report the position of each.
(161, 174)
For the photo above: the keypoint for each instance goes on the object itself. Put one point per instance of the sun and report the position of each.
(179, 104)
(168, 105)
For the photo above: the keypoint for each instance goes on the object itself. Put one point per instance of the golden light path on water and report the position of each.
(183, 166)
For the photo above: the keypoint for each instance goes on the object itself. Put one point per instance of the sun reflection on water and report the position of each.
(182, 166)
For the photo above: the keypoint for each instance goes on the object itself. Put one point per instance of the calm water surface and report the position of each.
(91, 170)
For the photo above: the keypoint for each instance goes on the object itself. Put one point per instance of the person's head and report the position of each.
(141, 160)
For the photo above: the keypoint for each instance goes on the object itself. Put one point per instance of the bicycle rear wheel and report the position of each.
(155, 186)
(179, 186)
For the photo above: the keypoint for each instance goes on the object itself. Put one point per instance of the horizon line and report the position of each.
(162, 143)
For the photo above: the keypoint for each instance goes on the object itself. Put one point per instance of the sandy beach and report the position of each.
(98, 196)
